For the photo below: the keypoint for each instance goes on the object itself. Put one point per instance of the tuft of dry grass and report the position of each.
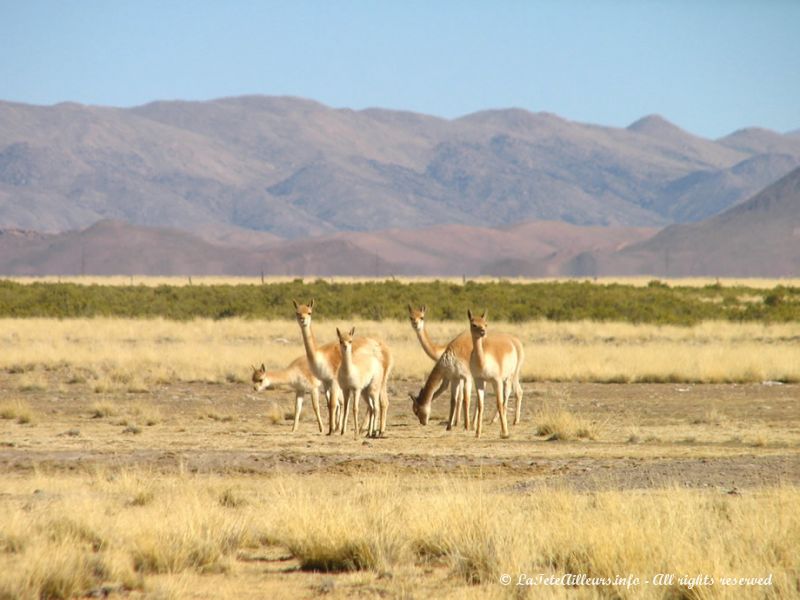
(556, 423)
(18, 411)
(142, 498)
(223, 418)
(31, 381)
(231, 498)
(146, 413)
(712, 416)
(332, 538)
(102, 410)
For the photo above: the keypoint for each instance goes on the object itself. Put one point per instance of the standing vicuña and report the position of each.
(497, 359)
(323, 361)
(364, 371)
(296, 376)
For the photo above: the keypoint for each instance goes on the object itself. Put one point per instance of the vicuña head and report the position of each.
(423, 411)
(303, 312)
(477, 325)
(417, 317)
(346, 338)
(260, 379)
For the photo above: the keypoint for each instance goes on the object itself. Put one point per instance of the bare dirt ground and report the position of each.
(646, 435)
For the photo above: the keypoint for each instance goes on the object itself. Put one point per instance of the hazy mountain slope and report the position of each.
(705, 193)
(754, 140)
(465, 250)
(759, 237)
(113, 247)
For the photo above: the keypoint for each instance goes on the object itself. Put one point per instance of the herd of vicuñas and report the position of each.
(354, 368)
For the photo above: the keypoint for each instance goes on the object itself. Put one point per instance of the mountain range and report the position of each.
(756, 238)
(287, 185)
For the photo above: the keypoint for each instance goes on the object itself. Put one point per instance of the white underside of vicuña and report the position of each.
(496, 367)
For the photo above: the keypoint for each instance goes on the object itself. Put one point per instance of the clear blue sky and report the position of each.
(709, 66)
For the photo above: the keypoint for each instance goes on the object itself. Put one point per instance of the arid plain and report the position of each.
(138, 462)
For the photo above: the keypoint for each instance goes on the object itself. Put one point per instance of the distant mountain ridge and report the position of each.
(756, 238)
(242, 170)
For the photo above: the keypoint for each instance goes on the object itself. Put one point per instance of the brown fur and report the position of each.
(497, 359)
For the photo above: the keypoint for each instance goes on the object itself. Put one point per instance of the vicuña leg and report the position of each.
(315, 405)
(298, 406)
(480, 386)
(339, 409)
(518, 395)
(345, 411)
(501, 406)
(376, 412)
(333, 417)
(454, 408)
(355, 397)
(467, 392)
(507, 394)
(370, 417)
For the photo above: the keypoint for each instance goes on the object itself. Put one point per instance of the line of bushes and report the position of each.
(657, 303)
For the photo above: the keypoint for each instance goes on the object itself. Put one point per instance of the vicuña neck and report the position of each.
(347, 358)
(309, 342)
(431, 349)
(432, 384)
(477, 346)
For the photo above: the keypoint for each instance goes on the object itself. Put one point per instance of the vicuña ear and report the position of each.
(410, 309)
(485, 312)
(311, 304)
(424, 308)
(352, 331)
(263, 368)
(254, 368)
(338, 333)
(469, 314)
(296, 305)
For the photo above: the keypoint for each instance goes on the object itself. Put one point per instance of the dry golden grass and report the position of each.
(134, 532)
(31, 382)
(555, 422)
(104, 409)
(132, 356)
(17, 410)
(637, 281)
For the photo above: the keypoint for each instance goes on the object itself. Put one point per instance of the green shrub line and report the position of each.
(656, 303)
